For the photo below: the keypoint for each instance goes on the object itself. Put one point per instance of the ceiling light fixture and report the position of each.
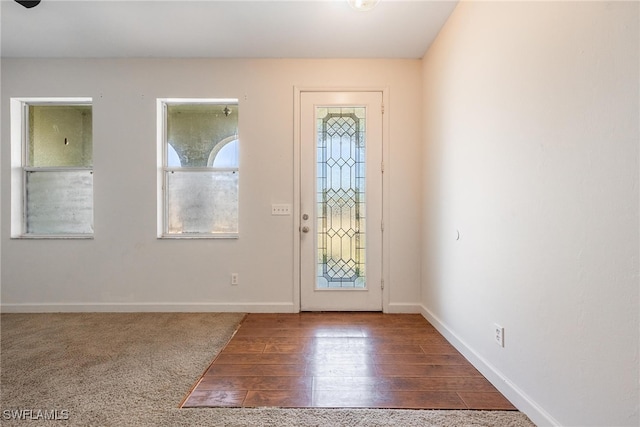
(363, 5)
(28, 4)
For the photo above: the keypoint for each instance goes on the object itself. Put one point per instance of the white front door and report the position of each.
(341, 201)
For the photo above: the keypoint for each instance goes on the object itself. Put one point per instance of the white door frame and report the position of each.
(297, 138)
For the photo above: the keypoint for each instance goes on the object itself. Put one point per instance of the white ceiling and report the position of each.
(222, 29)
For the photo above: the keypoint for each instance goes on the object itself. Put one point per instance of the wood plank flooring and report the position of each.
(342, 360)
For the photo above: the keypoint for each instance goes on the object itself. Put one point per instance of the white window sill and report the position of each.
(54, 236)
(200, 236)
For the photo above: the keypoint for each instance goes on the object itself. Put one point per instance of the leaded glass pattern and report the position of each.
(340, 197)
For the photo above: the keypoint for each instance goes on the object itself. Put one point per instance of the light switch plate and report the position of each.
(280, 209)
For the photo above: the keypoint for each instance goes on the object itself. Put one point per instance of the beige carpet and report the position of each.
(133, 369)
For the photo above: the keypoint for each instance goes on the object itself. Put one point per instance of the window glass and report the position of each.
(57, 175)
(195, 130)
(201, 169)
(60, 135)
(173, 160)
(203, 202)
(59, 202)
(227, 157)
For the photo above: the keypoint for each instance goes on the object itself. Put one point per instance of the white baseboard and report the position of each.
(516, 396)
(282, 307)
(249, 307)
(402, 307)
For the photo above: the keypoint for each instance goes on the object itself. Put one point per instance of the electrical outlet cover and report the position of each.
(498, 334)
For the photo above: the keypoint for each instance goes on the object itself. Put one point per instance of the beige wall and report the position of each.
(527, 202)
(126, 267)
(531, 153)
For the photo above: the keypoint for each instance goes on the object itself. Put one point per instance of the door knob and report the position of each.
(305, 229)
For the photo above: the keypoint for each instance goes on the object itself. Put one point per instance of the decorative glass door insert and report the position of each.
(340, 201)
(341, 211)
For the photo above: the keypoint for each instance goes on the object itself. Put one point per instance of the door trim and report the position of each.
(297, 138)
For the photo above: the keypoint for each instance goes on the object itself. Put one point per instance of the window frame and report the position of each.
(164, 170)
(19, 112)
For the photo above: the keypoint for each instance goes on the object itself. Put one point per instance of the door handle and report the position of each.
(305, 229)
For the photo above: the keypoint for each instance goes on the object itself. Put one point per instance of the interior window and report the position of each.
(57, 169)
(200, 170)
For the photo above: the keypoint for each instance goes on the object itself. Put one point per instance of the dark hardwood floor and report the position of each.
(342, 360)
